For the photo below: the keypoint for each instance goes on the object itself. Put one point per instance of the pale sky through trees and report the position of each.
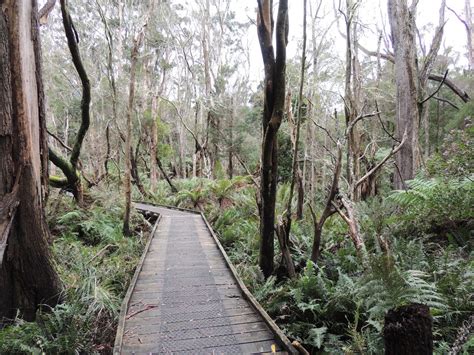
(372, 16)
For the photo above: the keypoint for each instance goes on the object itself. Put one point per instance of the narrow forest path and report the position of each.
(186, 298)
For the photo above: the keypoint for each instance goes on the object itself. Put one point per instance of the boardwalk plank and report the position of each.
(186, 298)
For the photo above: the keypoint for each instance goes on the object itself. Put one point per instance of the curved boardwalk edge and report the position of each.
(245, 295)
(131, 287)
(248, 295)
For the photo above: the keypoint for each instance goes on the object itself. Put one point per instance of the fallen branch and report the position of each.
(146, 308)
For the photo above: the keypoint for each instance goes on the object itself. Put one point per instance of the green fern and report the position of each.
(386, 287)
(436, 204)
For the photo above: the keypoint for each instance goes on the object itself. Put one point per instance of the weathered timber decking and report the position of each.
(186, 297)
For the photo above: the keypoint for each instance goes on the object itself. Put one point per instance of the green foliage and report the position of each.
(436, 204)
(56, 331)
(285, 156)
(95, 278)
(192, 198)
(339, 305)
(223, 189)
(456, 157)
(394, 288)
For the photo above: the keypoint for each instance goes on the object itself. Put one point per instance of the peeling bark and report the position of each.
(27, 276)
(402, 22)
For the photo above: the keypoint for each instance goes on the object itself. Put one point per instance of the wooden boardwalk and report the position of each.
(185, 297)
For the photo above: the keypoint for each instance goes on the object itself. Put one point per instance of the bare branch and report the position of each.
(342, 214)
(359, 118)
(325, 130)
(44, 12)
(450, 84)
(459, 17)
(437, 90)
(435, 45)
(181, 118)
(454, 88)
(386, 56)
(382, 162)
(64, 145)
(446, 101)
(383, 126)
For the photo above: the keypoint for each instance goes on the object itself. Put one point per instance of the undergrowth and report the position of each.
(338, 306)
(95, 263)
(335, 307)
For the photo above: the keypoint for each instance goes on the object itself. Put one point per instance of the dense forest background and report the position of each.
(338, 176)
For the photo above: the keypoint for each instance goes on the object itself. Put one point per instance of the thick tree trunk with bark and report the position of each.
(407, 331)
(27, 276)
(402, 23)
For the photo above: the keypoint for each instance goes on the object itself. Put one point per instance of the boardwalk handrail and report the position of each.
(128, 295)
(279, 335)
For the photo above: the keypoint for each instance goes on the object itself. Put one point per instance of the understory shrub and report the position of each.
(95, 263)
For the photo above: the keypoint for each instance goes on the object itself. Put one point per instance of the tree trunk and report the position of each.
(128, 137)
(329, 208)
(274, 104)
(406, 77)
(230, 149)
(470, 33)
(300, 201)
(27, 277)
(153, 143)
(70, 168)
(407, 331)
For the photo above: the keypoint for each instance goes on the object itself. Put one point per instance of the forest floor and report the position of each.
(337, 306)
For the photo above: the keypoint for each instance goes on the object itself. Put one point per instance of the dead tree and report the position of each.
(467, 22)
(273, 111)
(340, 201)
(27, 275)
(402, 22)
(283, 227)
(329, 208)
